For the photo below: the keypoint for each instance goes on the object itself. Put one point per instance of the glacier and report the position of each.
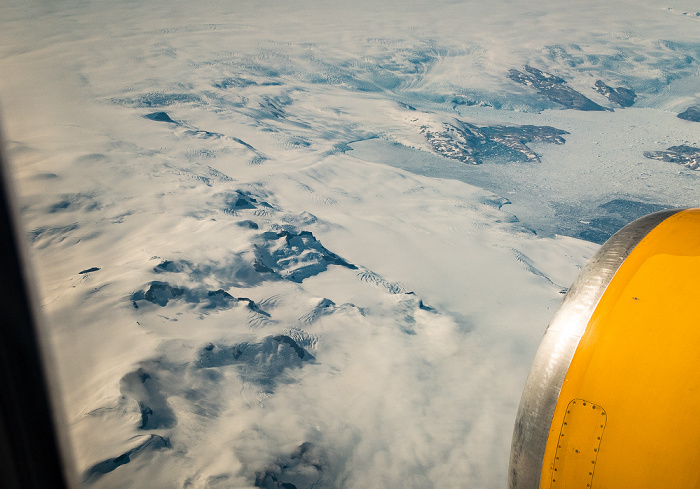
(316, 244)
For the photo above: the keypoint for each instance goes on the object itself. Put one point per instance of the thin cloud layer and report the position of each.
(316, 245)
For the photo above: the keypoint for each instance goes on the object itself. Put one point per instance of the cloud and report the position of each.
(323, 299)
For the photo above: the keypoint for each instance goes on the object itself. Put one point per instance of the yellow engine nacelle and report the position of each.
(613, 397)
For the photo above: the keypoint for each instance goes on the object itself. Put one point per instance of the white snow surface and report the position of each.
(291, 285)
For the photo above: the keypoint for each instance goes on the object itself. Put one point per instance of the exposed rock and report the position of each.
(158, 99)
(613, 216)
(622, 96)
(286, 339)
(263, 363)
(692, 113)
(323, 308)
(159, 117)
(172, 266)
(161, 293)
(152, 443)
(688, 156)
(146, 391)
(472, 144)
(248, 224)
(89, 270)
(219, 299)
(252, 305)
(242, 200)
(554, 88)
(295, 257)
(233, 272)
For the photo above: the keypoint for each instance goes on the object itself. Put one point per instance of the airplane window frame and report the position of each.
(34, 451)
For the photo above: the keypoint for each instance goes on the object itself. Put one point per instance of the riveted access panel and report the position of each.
(578, 445)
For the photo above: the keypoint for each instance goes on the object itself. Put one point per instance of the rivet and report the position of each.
(590, 473)
(599, 438)
(593, 407)
(584, 403)
(595, 449)
(593, 462)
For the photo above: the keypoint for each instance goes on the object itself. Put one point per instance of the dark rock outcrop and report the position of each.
(242, 200)
(692, 113)
(159, 117)
(613, 216)
(688, 156)
(89, 270)
(554, 88)
(472, 144)
(248, 224)
(295, 256)
(161, 293)
(152, 443)
(263, 363)
(146, 390)
(624, 97)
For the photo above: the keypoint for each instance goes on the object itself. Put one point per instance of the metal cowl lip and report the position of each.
(541, 395)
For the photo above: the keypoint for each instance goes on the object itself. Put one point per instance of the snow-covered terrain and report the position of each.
(316, 244)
